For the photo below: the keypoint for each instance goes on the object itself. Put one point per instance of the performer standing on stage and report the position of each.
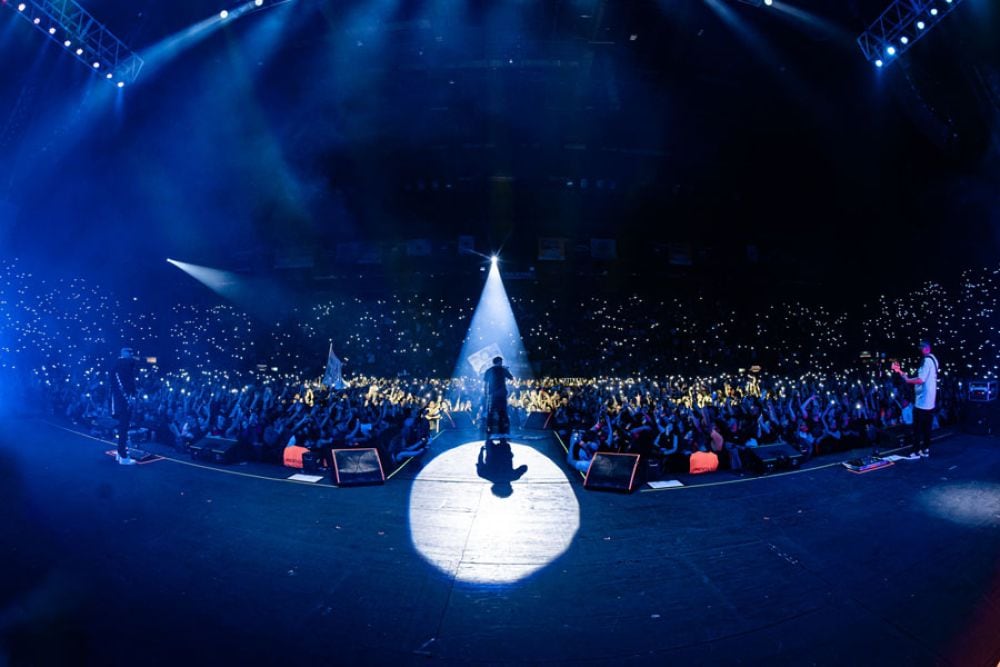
(123, 395)
(495, 385)
(925, 388)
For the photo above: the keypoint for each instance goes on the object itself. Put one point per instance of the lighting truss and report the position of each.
(82, 36)
(900, 27)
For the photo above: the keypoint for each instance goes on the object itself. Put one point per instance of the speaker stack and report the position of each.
(981, 410)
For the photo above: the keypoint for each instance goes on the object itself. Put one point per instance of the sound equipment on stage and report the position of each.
(216, 450)
(769, 458)
(866, 464)
(356, 467)
(982, 391)
(611, 471)
(537, 420)
(980, 418)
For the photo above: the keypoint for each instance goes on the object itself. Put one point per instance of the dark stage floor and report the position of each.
(173, 564)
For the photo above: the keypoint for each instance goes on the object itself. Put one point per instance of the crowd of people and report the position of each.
(665, 378)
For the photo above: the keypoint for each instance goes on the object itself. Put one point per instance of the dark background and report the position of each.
(721, 125)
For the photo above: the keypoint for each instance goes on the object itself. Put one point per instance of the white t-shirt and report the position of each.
(926, 393)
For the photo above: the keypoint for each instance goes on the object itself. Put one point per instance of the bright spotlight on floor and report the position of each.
(473, 525)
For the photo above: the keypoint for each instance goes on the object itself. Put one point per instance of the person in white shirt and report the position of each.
(925, 388)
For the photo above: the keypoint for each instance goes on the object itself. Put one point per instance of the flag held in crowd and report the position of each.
(333, 377)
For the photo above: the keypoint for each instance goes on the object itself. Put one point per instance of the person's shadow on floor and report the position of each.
(496, 463)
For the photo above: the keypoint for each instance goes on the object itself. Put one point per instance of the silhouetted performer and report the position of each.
(123, 395)
(495, 384)
(496, 463)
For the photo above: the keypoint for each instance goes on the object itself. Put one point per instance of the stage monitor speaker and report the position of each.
(357, 467)
(980, 418)
(224, 450)
(773, 457)
(610, 471)
(537, 421)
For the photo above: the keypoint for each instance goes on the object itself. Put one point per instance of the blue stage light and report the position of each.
(904, 40)
(97, 65)
(920, 25)
(934, 11)
(223, 14)
(879, 63)
(21, 7)
(67, 43)
(121, 84)
(258, 3)
(891, 50)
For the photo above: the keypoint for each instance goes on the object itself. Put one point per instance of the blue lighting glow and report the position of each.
(904, 40)
(934, 11)
(891, 50)
(920, 25)
(879, 63)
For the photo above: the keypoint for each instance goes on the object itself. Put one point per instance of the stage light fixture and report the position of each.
(903, 24)
(493, 260)
(109, 75)
(69, 24)
(891, 50)
(121, 84)
(768, 2)
(879, 63)
(223, 14)
(258, 3)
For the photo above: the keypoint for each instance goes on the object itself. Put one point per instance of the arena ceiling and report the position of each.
(312, 123)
